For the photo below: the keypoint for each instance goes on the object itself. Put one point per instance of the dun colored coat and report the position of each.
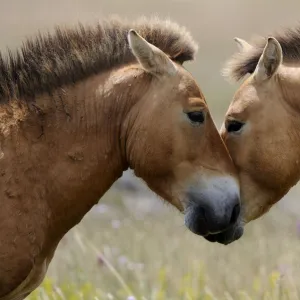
(82, 105)
(262, 125)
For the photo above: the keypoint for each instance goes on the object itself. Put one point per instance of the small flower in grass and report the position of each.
(131, 298)
(116, 224)
(284, 269)
(100, 261)
(102, 208)
(139, 266)
(122, 260)
(298, 228)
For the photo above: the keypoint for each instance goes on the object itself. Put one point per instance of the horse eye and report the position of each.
(234, 126)
(196, 117)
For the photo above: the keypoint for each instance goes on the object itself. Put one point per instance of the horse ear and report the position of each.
(242, 44)
(150, 57)
(269, 61)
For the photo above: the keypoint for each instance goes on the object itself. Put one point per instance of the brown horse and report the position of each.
(262, 125)
(81, 106)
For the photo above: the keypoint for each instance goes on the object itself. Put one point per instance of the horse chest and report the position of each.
(32, 281)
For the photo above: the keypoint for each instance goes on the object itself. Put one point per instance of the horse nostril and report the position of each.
(235, 213)
(202, 213)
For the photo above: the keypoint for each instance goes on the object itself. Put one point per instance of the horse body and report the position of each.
(68, 132)
(49, 164)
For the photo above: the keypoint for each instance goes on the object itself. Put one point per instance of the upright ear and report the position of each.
(150, 57)
(269, 61)
(242, 44)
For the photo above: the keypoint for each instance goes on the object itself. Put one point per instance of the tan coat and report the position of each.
(79, 108)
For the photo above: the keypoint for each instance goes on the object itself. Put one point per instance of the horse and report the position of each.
(83, 104)
(262, 124)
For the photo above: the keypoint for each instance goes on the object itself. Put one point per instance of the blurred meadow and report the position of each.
(131, 245)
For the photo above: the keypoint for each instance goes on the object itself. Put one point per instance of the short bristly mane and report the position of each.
(49, 61)
(245, 63)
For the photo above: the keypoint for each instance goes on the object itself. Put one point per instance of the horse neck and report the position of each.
(288, 82)
(70, 152)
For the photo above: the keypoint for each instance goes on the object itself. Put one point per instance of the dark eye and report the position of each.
(196, 117)
(234, 126)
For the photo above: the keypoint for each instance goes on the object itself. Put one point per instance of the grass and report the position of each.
(121, 251)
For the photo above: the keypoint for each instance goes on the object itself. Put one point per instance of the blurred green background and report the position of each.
(133, 246)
